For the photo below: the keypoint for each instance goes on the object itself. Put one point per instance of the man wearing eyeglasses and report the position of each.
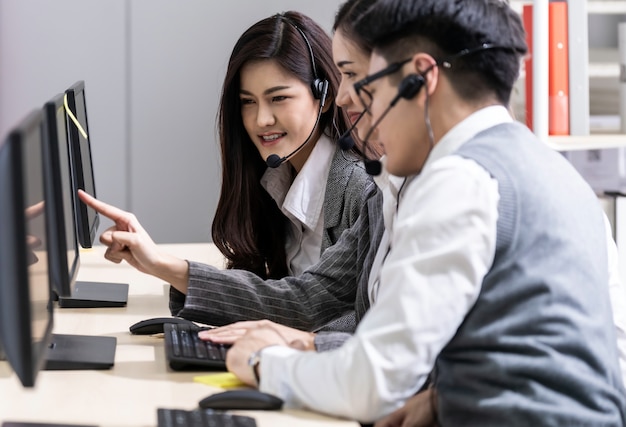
(495, 277)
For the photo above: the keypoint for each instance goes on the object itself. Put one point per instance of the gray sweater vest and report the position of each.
(538, 348)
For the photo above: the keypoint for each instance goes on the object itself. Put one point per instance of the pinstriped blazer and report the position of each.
(334, 288)
(344, 197)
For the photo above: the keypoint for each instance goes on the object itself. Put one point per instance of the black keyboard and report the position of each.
(185, 351)
(201, 418)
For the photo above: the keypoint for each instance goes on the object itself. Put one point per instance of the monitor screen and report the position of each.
(25, 288)
(87, 219)
(63, 245)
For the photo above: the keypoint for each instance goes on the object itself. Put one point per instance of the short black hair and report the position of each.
(397, 29)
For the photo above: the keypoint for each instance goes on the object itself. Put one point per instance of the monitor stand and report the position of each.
(80, 352)
(96, 294)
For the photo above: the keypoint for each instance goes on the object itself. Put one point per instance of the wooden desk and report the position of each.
(139, 383)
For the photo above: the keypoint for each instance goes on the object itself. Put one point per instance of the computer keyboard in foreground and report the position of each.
(201, 418)
(185, 351)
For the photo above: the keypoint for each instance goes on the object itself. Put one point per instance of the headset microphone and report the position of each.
(408, 88)
(373, 167)
(319, 87)
(273, 160)
(345, 141)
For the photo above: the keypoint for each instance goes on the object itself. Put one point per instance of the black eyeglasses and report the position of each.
(366, 97)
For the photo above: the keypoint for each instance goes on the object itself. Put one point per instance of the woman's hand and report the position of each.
(128, 241)
(296, 338)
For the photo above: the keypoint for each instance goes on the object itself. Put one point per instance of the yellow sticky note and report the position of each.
(222, 380)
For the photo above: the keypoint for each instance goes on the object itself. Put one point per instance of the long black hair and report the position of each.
(249, 228)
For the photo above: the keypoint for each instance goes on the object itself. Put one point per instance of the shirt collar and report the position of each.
(390, 186)
(386, 182)
(304, 197)
(468, 128)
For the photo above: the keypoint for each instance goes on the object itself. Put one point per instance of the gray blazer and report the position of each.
(345, 195)
(335, 287)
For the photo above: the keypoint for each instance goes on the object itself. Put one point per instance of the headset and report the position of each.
(408, 88)
(319, 87)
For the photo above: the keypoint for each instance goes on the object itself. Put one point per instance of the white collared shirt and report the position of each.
(302, 201)
(397, 342)
(389, 185)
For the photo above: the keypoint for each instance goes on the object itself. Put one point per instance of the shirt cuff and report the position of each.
(272, 371)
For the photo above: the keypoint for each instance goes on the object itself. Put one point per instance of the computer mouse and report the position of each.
(241, 399)
(155, 325)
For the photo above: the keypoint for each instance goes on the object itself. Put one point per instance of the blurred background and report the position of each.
(153, 71)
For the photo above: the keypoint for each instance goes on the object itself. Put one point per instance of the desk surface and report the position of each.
(129, 394)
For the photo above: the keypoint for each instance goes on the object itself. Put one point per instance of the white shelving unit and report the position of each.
(606, 7)
(603, 63)
(586, 142)
(593, 6)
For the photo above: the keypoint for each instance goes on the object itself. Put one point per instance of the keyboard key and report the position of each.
(201, 418)
(184, 350)
(201, 350)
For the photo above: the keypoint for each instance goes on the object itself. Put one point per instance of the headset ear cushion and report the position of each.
(316, 87)
(410, 86)
(320, 90)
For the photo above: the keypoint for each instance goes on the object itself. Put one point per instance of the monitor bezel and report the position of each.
(86, 230)
(25, 356)
(64, 279)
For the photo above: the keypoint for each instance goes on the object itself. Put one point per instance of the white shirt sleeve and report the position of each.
(617, 293)
(442, 245)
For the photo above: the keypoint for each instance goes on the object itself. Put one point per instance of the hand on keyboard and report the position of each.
(185, 351)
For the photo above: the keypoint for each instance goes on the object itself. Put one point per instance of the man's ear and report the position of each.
(426, 66)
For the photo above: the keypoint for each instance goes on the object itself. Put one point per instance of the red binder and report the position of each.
(558, 68)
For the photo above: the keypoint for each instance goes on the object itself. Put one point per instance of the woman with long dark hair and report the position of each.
(288, 189)
(332, 295)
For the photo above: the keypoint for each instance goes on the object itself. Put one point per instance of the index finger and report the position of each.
(34, 210)
(227, 329)
(105, 209)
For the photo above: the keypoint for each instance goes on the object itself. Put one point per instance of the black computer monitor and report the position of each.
(87, 219)
(25, 288)
(27, 257)
(65, 267)
(66, 254)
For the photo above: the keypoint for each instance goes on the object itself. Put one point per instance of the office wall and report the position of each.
(45, 46)
(153, 71)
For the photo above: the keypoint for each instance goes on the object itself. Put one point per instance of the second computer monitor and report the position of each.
(65, 257)
(64, 253)
(87, 219)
